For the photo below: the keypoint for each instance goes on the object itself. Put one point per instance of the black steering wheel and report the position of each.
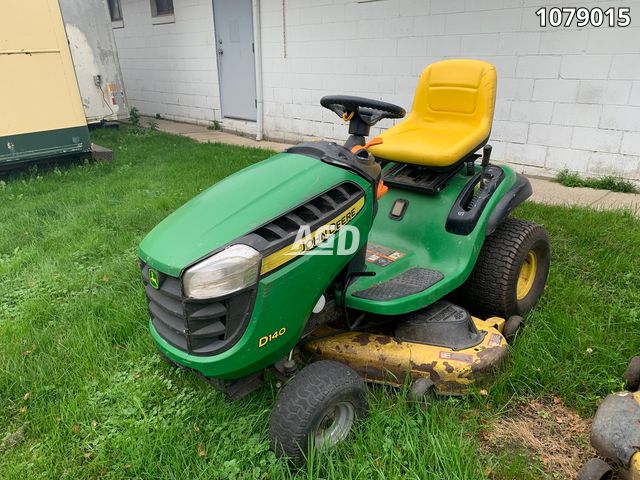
(369, 110)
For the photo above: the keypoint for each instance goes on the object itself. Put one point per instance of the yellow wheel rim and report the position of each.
(527, 274)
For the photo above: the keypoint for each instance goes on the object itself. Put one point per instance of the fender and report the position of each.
(520, 191)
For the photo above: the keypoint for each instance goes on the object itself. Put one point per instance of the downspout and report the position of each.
(257, 47)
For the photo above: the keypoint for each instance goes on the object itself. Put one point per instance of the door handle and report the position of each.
(220, 51)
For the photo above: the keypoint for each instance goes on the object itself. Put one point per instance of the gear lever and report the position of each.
(486, 157)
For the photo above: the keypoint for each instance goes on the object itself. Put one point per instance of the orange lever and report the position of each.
(381, 190)
(373, 141)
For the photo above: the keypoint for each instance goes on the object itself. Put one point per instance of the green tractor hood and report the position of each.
(234, 207)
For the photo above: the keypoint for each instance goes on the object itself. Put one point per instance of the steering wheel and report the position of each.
(369, 110)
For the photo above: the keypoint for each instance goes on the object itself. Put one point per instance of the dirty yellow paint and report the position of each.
(383, 359)
(38, 87)
(634, 469)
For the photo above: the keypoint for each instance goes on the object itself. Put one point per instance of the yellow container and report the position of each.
(41, 113)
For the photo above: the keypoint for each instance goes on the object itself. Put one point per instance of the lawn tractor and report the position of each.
(615, 433)
(360, 261)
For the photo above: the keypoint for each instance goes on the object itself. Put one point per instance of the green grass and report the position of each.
(73, 334)
(572, 179)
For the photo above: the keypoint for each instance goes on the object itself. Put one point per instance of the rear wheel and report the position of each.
(511, 271)
(319, 407)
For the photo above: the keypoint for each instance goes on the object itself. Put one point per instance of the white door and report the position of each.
(236, 63)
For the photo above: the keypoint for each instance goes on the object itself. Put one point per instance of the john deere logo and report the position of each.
(153, 278)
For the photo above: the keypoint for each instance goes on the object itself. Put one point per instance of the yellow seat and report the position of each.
(451, 116)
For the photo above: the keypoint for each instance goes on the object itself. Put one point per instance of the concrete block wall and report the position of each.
(567, 97)
(170, 68)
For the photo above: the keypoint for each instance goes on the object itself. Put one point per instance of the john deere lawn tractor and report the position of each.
(615, 432)
(360, 261)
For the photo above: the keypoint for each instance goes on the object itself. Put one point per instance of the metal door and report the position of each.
(236, 62)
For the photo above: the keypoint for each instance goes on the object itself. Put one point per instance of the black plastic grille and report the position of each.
(197, 327)
(316, 212)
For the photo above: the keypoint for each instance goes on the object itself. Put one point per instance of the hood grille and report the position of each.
(198, 327)
(316, 212)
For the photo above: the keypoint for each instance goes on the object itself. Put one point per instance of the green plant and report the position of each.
(134, 117)
(158, 116)
(572, 179)
(214, 125)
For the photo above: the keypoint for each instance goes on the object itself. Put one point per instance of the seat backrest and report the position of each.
(457, 92)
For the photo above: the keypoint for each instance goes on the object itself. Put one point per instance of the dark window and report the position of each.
(115, 10)
(161, 7)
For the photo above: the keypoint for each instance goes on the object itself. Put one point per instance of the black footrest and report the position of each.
(408, 283)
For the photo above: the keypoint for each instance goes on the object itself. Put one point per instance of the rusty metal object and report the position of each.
(384, 359)
(615, 433)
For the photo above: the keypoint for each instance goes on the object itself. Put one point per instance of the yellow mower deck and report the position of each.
(384, 359)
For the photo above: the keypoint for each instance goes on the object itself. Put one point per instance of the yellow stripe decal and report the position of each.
(312, 240)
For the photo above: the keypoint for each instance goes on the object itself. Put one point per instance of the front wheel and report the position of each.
(318, 407)
(511, 271)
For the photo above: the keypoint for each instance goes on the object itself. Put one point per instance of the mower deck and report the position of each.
(384, 359)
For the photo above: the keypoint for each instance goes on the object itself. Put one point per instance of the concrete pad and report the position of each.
(552, 193)
(616, 200)
(203, 134)
(216, 136)
(101, 154)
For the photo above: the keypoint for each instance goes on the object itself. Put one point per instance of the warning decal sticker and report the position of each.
(460, 357)
(382, 256)
(495, 340)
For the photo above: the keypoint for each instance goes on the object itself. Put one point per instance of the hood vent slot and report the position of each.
(314, 213)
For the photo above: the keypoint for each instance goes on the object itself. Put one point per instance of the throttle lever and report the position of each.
(486, 158)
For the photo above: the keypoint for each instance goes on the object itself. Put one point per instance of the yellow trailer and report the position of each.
(41, 113)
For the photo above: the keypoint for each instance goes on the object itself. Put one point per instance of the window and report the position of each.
(161, 7)
(162, 11)
(115, 10)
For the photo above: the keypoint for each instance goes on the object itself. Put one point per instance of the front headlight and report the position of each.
(231, 270)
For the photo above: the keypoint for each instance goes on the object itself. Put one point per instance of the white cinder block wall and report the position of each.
(170, 68)
(567, 97)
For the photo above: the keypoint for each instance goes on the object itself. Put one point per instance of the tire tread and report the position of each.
(301, 399)
(488, 290)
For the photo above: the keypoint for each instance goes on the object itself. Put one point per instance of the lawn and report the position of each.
(81, 383)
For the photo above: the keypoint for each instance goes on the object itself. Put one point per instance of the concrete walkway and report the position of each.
(544, 190)
(205, 135)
